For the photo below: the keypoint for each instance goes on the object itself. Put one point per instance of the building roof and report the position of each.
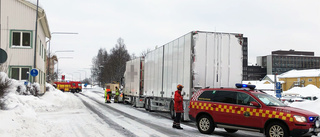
(261, 85)
(301, 73)
(42, 17)
(271, 78)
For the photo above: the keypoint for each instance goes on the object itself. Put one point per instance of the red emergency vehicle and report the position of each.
(247, 109)
(66, 86)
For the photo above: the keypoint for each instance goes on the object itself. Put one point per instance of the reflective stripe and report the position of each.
(241, 110)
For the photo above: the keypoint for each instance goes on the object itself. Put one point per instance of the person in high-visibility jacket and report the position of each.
(178, 107)
(107, 95)
(116, 97)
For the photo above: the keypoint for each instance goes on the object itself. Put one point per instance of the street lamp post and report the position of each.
(80, 75)
(100, 67)
(58, 65)
(49, 58)
(85, 73)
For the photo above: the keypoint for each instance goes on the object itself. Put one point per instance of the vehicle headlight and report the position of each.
(300, 118)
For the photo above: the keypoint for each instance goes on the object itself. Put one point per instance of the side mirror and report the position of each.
(253, 103)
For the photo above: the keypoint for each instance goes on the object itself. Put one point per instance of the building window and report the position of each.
(21, 38)
(20, 73)
(309, 79)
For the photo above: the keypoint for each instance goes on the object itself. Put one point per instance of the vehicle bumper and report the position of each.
(303, 130)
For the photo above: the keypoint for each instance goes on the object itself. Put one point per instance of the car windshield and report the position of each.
(269, 100)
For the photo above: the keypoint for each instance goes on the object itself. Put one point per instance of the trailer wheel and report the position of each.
(146, 104)
(134, 102)
(149, 105)
(172, 112)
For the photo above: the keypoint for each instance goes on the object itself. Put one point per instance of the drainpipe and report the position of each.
(35, 43)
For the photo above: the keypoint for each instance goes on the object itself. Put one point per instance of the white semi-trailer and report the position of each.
(196, 60)
(133, 79)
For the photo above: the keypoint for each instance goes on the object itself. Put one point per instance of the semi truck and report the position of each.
(196, 60)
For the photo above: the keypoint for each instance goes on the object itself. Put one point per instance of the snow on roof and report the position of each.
(301, 73)
(271, 77)
(309, 90)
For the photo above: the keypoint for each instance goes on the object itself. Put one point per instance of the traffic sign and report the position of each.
(278, 95)
(3, 56)
(278, 91)
(34, 72)
(278, 85)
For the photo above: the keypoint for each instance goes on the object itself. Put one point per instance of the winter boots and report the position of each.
(176, 125)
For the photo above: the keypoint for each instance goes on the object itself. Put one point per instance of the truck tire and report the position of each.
(134, 102)
(205, 124)
(149, 105)
(146, 104)
(172, 112)
(277, 129)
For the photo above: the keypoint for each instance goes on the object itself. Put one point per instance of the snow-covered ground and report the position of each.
(64, 114)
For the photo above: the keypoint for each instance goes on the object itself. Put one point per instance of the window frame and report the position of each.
(21, 39)
(20, 72)
(248, 102)
(211, 99)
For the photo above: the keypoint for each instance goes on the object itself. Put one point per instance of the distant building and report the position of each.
(245, 59)
(300, 78)
(256, 72)
(250, 72)
(264, 85)
(17, 38)
(282, 61)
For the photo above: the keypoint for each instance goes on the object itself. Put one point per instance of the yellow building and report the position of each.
(300, 78)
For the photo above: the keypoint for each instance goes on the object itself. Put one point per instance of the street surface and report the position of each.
(130, 121)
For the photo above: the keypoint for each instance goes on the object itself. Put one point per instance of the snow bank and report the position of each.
(21, 115)
(309, 90)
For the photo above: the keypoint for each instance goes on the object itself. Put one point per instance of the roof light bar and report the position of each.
(245, 86)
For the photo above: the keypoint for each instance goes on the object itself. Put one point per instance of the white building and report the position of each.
(18, 33)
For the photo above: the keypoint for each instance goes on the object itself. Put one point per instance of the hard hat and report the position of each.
(179, 86)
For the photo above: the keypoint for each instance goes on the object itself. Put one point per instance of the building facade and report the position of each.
(282, 61)
(245, 59)
(18, 34)
(300, 78)
(256, 72)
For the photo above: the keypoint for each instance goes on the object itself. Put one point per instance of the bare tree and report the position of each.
(106, 67)
(99, 64)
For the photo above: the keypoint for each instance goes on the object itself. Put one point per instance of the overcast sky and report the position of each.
(144, 24)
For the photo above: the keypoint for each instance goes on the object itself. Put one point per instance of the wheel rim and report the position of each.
(276, 131)
(204, 124)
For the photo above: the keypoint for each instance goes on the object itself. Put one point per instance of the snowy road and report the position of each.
(129, 121)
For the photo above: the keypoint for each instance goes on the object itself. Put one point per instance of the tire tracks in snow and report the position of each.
(117, 127)
(142, 121)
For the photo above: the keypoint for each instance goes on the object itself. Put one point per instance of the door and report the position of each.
(246, 114)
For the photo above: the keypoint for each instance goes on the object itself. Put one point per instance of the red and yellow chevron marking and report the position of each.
(241, 110)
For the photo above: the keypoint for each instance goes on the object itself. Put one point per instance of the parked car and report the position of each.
(292, 98)
(310, 98)
(248, 109)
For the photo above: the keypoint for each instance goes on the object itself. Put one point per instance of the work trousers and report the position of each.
(177, 119)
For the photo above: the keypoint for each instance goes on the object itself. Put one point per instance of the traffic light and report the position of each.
(62, 77)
